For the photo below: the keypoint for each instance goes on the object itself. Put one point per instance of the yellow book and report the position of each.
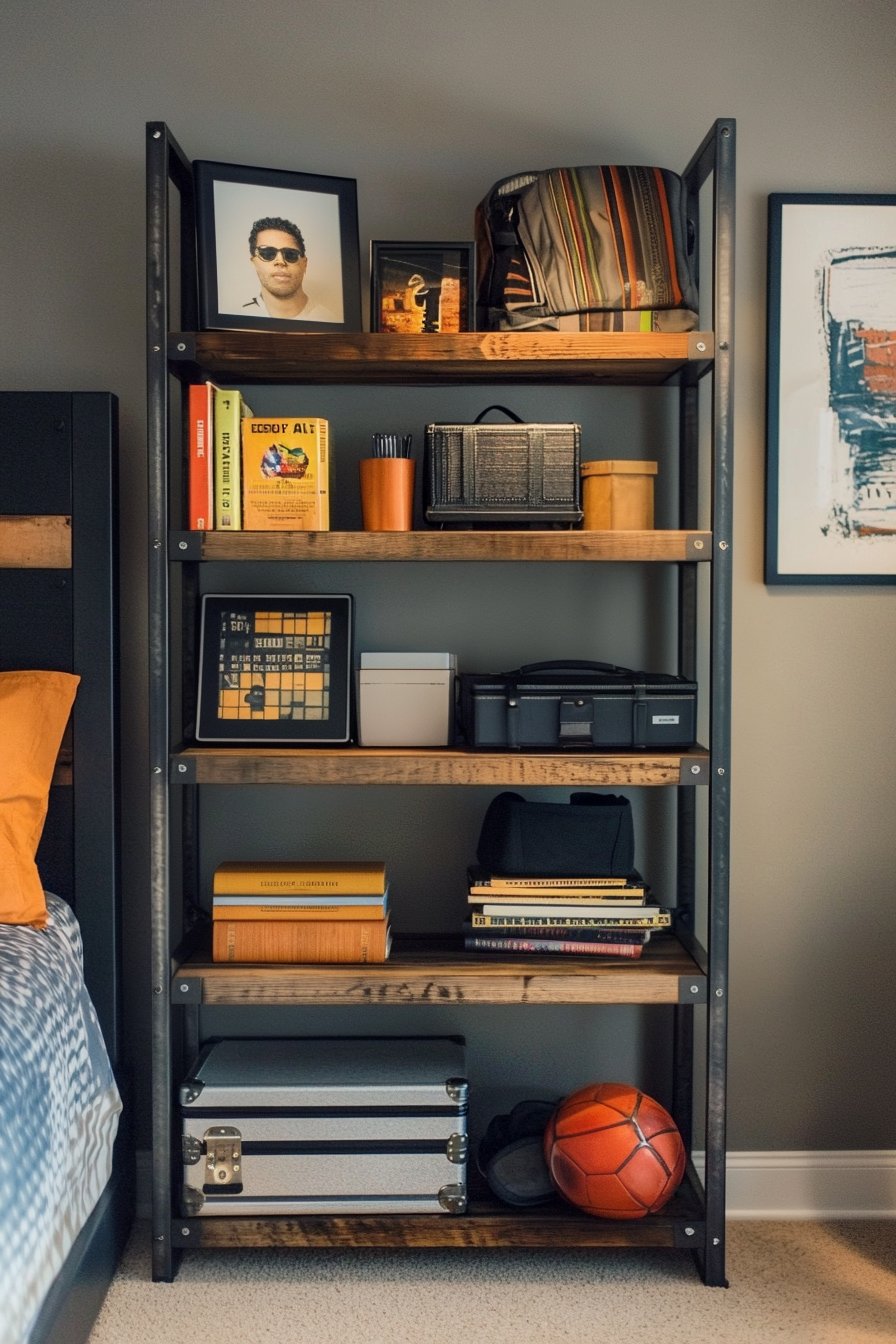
(542, 892)
(230, 408)
(286, 474)
(287, 878)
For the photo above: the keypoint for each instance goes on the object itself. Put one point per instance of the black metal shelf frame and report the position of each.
(171, 305)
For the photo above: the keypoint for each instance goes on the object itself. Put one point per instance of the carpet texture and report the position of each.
(791, 1283)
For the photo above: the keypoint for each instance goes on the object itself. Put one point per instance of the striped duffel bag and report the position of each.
(587, 249)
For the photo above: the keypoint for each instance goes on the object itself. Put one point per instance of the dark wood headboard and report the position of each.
(59, 604)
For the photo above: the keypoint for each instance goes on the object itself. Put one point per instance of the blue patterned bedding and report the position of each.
(59, 1109)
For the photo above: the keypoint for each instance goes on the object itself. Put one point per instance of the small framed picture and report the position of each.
(277, 250)
(275, 669)
(422, 287)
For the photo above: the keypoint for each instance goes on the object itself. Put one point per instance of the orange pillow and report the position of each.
(34, 709)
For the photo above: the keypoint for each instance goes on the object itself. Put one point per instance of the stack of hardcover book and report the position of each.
(301, 911)
(590, 916)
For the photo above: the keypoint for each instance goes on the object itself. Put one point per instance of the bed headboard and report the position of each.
(59, 604)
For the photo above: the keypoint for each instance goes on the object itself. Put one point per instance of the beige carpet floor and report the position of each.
(790, 1283)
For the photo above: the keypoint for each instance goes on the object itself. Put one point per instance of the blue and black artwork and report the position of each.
(858, 296)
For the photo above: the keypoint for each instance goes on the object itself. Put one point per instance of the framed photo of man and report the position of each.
(277, 250)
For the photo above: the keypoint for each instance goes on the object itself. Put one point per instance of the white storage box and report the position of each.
(406, 699)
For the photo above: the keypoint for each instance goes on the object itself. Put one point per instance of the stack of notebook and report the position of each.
(592, 916)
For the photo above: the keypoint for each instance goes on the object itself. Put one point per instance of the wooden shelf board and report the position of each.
(35, 541)
(434, 765)
(641, 358)
(475, 1229)
(486, 1224)
(432, 970)
(473, 545)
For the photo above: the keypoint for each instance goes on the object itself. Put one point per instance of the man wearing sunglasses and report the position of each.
(277, 251)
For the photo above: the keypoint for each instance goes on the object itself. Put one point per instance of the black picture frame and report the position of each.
(275, 668)
(831, 389)
(230, 199)
(417, 288)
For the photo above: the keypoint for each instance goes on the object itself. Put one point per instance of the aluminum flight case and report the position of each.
(325, 1125)
(577, 704)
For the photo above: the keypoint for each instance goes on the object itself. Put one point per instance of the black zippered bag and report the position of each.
(577, 704)
(590, 836)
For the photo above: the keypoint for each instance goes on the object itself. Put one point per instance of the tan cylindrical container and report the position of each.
(617, 495)
(387, 493)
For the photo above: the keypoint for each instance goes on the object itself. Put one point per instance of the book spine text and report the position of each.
(525, 946)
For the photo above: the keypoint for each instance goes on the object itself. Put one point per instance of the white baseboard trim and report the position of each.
(814, 1184)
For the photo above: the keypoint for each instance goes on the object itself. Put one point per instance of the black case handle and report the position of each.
(511, 415)
(571, 665)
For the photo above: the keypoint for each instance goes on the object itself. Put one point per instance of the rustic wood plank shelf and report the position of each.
(639, 358)
(436, 765)
(433, 970)
(486, 1224)
(537, 546)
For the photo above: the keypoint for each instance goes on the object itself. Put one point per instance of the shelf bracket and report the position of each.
(689, 1235)
(186, 1232)
(185, 545)
(697, 546)
(183, 771)
(692, 989)
(187, 990)
(182, 347)
(693, 772)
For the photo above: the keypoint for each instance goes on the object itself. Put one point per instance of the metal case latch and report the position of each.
(577, 718)
(223, 1156)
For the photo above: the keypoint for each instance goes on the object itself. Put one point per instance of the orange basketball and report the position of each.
(613, 1151)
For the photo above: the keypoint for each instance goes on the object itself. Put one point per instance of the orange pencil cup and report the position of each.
(387, 493)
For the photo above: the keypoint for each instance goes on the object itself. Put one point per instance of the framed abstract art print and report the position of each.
(831, 403)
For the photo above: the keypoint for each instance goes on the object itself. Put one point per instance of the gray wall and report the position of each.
(426, 104)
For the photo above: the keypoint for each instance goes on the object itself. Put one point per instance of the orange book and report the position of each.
(286, 474)
(200, 470)
(297, 941)
(299, 878)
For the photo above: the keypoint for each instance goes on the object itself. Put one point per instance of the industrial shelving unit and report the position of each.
(685, 971)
